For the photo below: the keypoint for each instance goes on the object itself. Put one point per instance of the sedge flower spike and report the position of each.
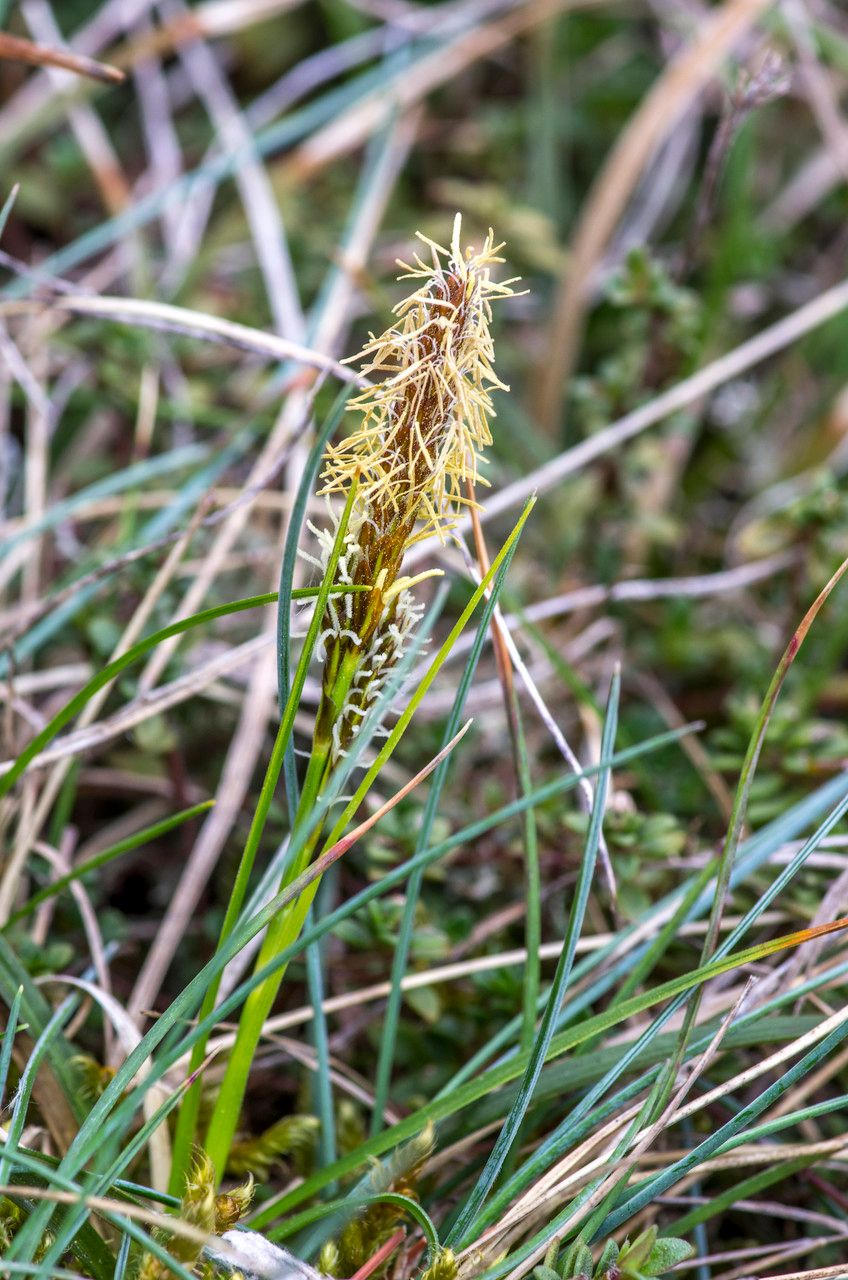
(424, 426)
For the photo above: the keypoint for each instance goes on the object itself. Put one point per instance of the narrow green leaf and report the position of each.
(505, 1072)
(463, 1228)
(119, 1101)
(400, 959)
(114, 668)
(116, 482)
(108, 855)
(35, 1014)
(8, 1041)
(224, 1119)
(287, 568)
(23, 1093)
(657, 1185)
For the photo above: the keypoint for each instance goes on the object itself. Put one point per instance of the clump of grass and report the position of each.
(402, 474)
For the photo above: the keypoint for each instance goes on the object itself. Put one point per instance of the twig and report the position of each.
(194, 324)
(16, 49)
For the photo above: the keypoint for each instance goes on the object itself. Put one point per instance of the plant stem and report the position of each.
(283, 930)
(187, 1121)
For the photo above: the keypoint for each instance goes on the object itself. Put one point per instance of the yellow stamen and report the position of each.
(403, 584)
(425, 425)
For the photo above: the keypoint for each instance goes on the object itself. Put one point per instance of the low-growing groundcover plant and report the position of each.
(553, 1147)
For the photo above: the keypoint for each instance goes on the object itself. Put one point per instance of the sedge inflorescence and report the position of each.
(424, 426)
(202, 1208)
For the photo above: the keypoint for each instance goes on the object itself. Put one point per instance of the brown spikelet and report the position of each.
(231, 1206)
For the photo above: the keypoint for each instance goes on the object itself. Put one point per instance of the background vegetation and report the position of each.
(510, 1039)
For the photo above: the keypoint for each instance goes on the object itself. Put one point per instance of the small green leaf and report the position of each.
(578, 1262)
(607, 1259)
(427, 1003)
(634, 1256)
(666, 1253)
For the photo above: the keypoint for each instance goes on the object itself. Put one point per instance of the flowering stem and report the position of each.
(187, 1121)
(423, 427)
(282, 931)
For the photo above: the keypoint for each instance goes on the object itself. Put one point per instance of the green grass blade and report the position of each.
(557, 1141)
(142, 211)
(23, 1094)
(400, 959)
(115, 1107)
(494, 579)
(122, 1259)
(322, 1091)
(9, 1033)
(131, 477)
(744, 1190)
(659, 1184)
(323, 1088)
(108, 855)
(286, 928)
(532, 879)
(337, 781)
(498, 568)
(113, 669)
(187, 1122)
(183, 501)
(503, 1074)
(287, 568)
(410, 1206)
(87, 1246)
(222, 1125)
(737, 822)
(464, 1225)
(35, 1014)
(103, 1185)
